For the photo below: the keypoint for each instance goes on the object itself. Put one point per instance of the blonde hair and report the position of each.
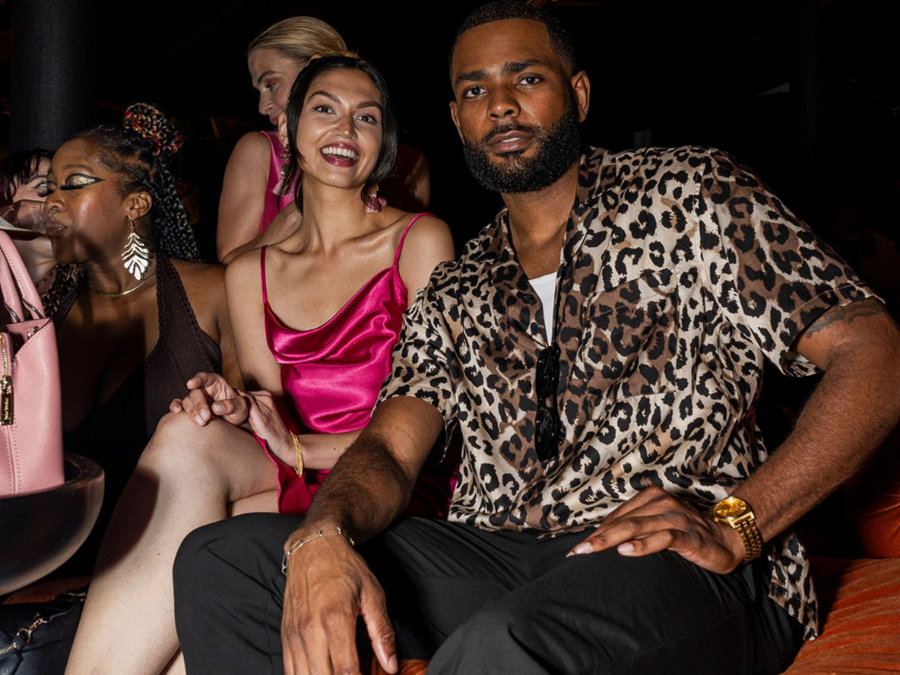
(301, 38)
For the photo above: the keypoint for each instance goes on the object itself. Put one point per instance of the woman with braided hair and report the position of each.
(146, 315)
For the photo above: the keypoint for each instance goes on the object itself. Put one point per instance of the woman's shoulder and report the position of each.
(253, 148)
(248, 260)
(399, 221)
(204, 286)
(197, 271)
(254, 141)
(424, 232)
(428, 243)
(203, 282)
(244, 271)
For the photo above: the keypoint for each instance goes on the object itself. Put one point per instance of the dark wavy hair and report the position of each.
(307, 76)
(18, 169)
(139, 150)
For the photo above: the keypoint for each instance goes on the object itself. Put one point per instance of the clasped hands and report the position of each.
(210, 397)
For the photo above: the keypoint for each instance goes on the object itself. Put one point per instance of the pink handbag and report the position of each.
(30, 409)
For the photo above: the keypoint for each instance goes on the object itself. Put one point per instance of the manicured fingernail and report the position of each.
(198, 419)
(583, 547)
(217, 407)
(625, 549)
(392, 663)
(204, 414)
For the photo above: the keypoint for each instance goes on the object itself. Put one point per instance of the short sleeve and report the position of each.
(423, 363)
(770, 275)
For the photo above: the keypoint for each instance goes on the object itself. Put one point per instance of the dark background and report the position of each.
(808, 93)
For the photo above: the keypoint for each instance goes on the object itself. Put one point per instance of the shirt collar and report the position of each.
(498, 252)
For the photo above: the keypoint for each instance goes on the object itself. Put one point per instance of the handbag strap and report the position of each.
(19, 293)
(50, 610)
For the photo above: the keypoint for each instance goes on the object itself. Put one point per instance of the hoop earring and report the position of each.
(136, 254)
(374, 203)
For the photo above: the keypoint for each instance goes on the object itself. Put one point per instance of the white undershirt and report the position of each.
(545, 287)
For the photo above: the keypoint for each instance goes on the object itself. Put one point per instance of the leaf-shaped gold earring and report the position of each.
(136, 255)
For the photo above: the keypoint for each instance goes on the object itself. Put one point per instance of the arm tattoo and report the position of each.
(846, 314)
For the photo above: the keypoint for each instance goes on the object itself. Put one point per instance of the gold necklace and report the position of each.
(119, 295)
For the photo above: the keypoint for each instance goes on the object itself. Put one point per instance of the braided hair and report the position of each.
(139, 150)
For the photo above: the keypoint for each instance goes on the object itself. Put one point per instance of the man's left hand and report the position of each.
(654, 520)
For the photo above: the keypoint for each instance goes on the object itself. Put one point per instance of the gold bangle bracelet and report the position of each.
(298, 449)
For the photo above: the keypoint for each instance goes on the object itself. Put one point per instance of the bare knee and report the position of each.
(182, 449)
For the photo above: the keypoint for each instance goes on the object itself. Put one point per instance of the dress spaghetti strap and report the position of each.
(403, 238)
(262, 272)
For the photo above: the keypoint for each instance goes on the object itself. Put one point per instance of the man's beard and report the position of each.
(559, 146)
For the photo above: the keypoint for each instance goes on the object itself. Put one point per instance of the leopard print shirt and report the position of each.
(679, 273)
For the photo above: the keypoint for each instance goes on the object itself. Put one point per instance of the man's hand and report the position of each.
(653, 521)
(328, 587)
(210, 395)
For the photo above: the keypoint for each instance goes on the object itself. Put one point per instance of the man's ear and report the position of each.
(581, 93)
(454, 114)
(138, 204)
(282, 129)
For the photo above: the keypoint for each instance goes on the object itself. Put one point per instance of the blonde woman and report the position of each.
(251, 196)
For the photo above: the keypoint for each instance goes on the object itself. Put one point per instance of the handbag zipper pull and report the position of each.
(6, 385)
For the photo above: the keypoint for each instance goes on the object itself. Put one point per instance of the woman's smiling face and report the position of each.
(339, 133)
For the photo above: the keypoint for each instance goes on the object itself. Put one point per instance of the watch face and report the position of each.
(732, 507)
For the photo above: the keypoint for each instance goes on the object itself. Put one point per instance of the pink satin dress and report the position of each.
(273, 202)
(332, 375)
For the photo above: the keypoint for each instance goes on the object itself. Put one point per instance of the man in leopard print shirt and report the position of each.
(602, 362)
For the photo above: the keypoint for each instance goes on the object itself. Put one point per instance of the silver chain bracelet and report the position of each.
(325, 532)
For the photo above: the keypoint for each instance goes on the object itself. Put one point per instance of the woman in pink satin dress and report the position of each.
(315, 319)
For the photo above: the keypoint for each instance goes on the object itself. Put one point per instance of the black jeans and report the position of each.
(489, 602)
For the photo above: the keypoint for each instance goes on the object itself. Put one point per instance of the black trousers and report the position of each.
(486, 602)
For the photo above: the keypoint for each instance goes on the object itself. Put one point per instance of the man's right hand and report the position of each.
(328, 586)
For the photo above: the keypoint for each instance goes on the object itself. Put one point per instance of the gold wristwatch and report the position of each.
(738, 515)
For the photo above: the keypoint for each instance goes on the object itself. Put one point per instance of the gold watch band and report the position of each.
(738, 515)
(749, 534)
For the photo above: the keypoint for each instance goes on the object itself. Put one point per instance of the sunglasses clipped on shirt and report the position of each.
(548, 425)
